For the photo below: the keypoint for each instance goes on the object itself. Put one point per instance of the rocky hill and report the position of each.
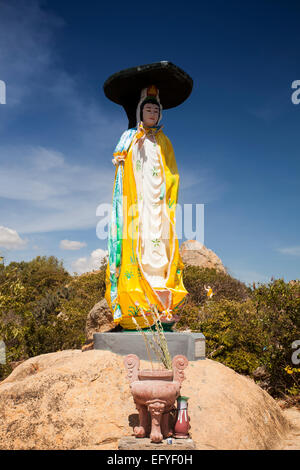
(81, 400)
(196, 254)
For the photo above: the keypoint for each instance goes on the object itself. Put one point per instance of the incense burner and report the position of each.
(155, 391)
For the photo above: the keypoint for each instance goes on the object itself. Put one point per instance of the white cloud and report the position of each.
(290, 250)
(10, 239)
(45, 173)
(43, 189)
(93, 262)
(42, 192)
(71, 245)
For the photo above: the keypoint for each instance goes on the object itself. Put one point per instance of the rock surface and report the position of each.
(75, 400)
(99, 320)
(292, 440)
(194, 253)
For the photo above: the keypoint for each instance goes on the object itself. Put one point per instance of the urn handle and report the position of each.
(179, 364)
(132, 364)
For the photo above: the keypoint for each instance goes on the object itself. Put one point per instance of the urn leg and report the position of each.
(156, 409)
(140, 431)
(165, 425)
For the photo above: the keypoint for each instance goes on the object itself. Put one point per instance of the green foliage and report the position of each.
(246, 327)
(43, 309)
(230, 328)
(13, 314)
(88, 289)
(278, 308)
(223, 285)
(195, 280)
(38, 276)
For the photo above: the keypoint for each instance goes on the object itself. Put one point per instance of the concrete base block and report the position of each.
(134, 443)
(191, 345)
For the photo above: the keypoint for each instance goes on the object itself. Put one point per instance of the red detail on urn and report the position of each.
(155, 391)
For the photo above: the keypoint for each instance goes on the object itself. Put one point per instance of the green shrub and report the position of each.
(257, 328)
(43, 308)
(61, 321)
(196, 279)
(278, 309)
(13, 314)
(231, 331)
(223, 285)
(39, 276)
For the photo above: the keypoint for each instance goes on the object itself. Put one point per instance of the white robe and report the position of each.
(154, 225)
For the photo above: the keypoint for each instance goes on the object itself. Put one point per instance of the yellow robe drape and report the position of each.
(134, 291)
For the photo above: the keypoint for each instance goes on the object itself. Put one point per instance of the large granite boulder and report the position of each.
(81, 400)
(99, 320)
(196, 254)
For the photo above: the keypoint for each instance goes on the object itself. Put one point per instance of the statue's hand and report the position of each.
(118, 159)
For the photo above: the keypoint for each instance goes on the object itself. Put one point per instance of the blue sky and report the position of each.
(236, 139)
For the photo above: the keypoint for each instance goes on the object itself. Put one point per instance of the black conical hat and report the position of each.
(125, 87)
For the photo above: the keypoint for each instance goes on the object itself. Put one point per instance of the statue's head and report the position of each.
(150, 112)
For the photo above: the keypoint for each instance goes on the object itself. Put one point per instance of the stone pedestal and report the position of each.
(191, 345)
(133, 443)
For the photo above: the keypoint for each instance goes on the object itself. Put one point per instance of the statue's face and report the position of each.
(150, 114)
